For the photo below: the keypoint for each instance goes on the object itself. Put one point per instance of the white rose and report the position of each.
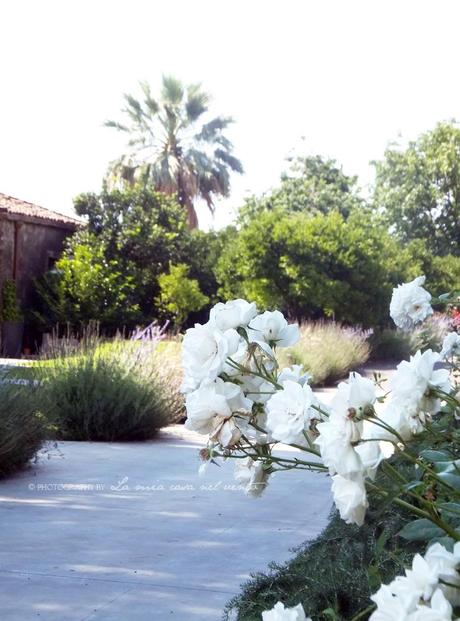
(232, 314)
(204, 352)
(439, 609)
(350, 498)
(290, 412)
(389, 607)
(210, 400)
(335, 445)
(280, 613)
(356, 393)
(272, 328)
(450, 345)
(415, 378)
(371, 455)
(294, 373)
(410, 304)
(251, 475)
(445, 564)
(398, 418)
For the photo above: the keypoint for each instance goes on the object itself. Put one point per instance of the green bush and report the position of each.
(112, 391)
(332, 571)
(179, 294)
(391, 344)
(312, 267)
(22, 427)
(328, 351)
(10, 309)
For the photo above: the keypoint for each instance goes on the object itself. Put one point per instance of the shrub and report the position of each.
(330, 572)
(328, 351)
(399, 345)
(312, 267)
(22, 427)
(111, 391)
(10, 309)
(179, 294)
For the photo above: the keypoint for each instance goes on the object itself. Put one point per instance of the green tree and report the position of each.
(179, 294)
(111, 271)
(418, 189)
(143, 231)
(314, 266)
(172, 149)
(313, 185)
(86, 286)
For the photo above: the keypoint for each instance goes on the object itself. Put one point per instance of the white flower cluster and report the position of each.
(235, 394)
(427, 592)
(226, 363)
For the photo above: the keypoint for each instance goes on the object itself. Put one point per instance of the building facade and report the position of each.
(31, 240)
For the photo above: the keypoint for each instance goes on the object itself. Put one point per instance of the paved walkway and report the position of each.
(130, 532)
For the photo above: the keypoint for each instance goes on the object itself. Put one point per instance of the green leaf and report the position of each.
(434, 456)
(452, 479)
(374, 577)
(453, 508)
(447, 466)
(421, 530)
(331, 614)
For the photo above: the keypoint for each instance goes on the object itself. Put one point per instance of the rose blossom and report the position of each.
(280, 613)
(290, 412)
(271, 327)
(410, 304)
(350, 498)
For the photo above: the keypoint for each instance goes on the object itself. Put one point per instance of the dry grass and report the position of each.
(328, 351)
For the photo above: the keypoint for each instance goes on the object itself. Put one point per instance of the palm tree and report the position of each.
(172, 149)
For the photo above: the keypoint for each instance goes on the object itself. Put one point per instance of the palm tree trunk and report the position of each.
(186, 202)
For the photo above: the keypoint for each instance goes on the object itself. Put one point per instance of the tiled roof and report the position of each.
(16, 207)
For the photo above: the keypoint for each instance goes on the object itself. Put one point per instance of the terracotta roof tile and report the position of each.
(17, 207)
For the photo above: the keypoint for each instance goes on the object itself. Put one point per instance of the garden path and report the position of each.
(130, 532)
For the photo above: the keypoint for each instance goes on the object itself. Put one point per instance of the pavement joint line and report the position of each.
(95, 612)
(136, 584)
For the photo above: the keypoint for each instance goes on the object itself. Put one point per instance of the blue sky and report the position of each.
(336, 77)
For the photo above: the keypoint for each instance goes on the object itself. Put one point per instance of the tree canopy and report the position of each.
(418, 189)
(174, 146)
(312, 185)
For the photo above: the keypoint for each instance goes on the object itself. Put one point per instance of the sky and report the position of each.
(341, 78)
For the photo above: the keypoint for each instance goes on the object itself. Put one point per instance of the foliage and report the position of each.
(328, 351)
(390, 344)
(179, 294)
(381, 448)
(10, 309)
(112, 391)
(418, 189)
(110, 273)
(331, 571)
(173, 147)
(22, 428)
(313, 266)
(313, 185)
(86, 286)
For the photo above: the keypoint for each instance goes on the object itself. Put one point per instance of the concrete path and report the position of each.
(130, 532)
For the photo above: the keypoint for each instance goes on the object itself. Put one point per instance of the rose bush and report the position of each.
(238, 396)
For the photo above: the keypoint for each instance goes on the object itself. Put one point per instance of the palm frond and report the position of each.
(172, 91)
(229, 159)
(197, 102)
(210, 130)
(115, 125)
(151, 104)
